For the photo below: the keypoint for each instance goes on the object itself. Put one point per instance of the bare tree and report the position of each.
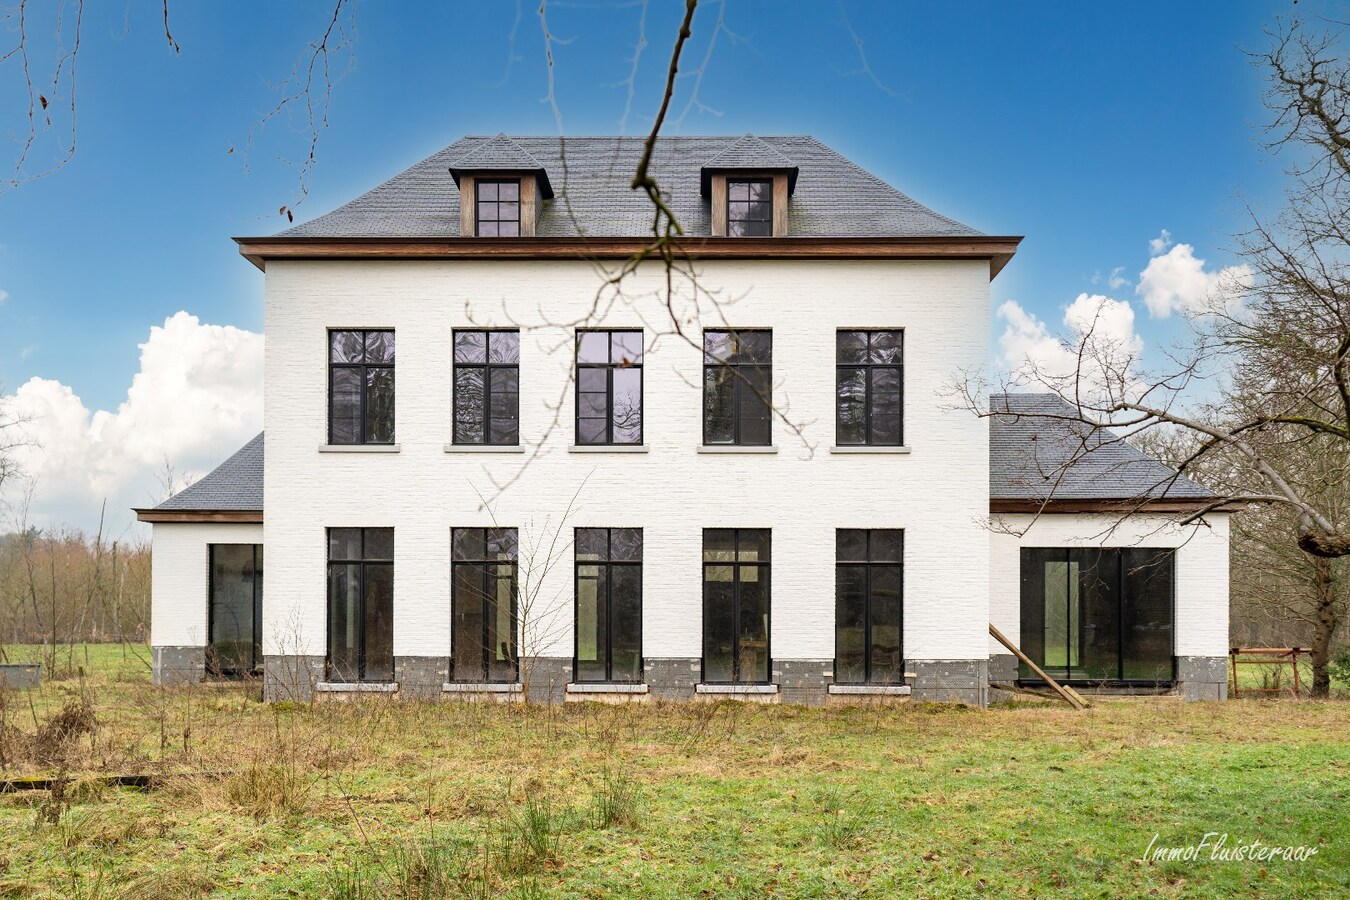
(1290, 326)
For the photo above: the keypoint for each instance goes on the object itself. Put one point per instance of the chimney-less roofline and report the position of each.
(998, 250)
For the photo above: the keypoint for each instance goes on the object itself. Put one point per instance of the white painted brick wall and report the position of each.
(1201, 569)
(179, 577)
(938, 494)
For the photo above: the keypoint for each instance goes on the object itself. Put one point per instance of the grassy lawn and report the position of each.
(376, 799)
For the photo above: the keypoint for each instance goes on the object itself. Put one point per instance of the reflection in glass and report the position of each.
(487, 387)
(736, 605)
(483, 604)
(360, 604)
(737, 387)
(609, 387)
(608, 605)
(869, 388)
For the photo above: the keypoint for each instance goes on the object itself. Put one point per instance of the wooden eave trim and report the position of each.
(997, 249)
(219, 516)
(1114, 505)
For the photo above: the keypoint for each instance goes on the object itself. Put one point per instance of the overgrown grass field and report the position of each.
(386, 799)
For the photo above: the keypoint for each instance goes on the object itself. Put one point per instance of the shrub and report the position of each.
(841, 818)
(1339, 667)
(266, 791)
(533, 834)
(616, 802)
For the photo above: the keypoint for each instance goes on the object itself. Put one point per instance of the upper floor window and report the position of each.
(361, 387)
(498, 207)
(750, 207)
(609, 387)
(869, 387)
(483, 604)
(609, 604)
(868, 606)
(487, 387)
(360, 604)
(737, 387)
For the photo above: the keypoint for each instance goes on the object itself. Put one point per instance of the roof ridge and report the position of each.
(876, 179)
(751, 143)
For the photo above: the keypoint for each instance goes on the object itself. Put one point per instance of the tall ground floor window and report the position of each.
(736, 605)
(868, 606)
(483, 604)
(360, 604)
(609, 605)
(234, 648)
(1099, 614)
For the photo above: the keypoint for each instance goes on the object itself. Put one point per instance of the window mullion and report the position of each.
(609, 404)
(867, 621)
(609, 621)
(736, 388)
(487, 392)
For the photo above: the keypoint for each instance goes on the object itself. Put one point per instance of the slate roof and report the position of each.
(501, 154)
(235, 484)
(833, 197)
(1033, 456)
(749, 152)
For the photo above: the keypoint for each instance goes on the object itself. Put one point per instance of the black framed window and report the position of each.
(498, 202)
(750, 207)
(737, 387)
(361, 386)
(609, 387)
(869, 606)
(1094, 615)
(736, 605)
(487, 387)
(869, 387)
(483, 604)
(234, 645)
(360, 604)
(608, 605)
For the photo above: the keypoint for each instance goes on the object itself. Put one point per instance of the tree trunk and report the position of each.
(1324, 627)
(1325, 545)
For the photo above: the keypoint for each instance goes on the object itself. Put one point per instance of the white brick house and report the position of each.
(774, 503)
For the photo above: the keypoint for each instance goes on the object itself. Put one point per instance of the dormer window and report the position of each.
(750, 207)
(498, 207)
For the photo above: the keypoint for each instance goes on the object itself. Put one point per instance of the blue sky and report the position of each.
(1088, 128)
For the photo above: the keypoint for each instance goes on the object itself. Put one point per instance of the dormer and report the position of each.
(500, 188)
(748, 186)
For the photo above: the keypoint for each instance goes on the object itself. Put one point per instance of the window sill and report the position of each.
(607, 448)
(359, 448)
(605, 687)
(357, 687)
(735, 689)
(735, 448)
(481, 687)
(870, 690)
(864, 448)
(484, 448)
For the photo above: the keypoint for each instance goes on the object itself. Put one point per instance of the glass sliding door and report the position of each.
(235, 610)
(1146, 623)
(1098, 615)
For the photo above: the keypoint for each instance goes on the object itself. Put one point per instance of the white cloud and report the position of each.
(1030, 353)
(4, 295)
(1177, 281)
(1117, 280)
(1160, 243)
(196, 398)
